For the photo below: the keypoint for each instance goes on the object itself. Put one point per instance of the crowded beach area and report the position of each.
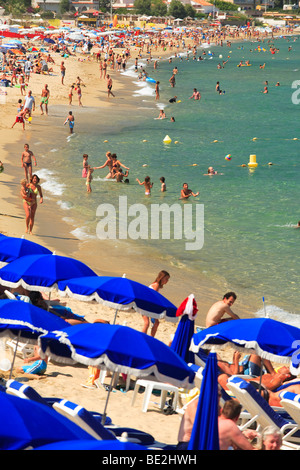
(55, 84)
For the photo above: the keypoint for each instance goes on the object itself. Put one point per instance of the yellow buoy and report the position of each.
(105, 141)
(145, 140)
(167, 140)
(176, 142)
(252, 161)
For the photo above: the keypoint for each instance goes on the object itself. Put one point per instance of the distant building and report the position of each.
(53, 5)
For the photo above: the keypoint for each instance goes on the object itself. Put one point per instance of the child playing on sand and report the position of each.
(25, 191)
(148, 185)
(85, 165)
(20, 115)
(36, 369)
(163, 184)
(1, 167)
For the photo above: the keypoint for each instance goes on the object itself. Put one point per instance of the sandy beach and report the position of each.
(51, 231)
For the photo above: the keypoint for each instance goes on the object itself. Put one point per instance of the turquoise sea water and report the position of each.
(251, 244)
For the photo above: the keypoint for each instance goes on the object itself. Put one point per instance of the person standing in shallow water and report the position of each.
(70, 121)
(161, 280)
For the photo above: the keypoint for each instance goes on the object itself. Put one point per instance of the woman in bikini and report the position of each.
(161, 280)
(108, 163)
(116, 164)
(33, 189)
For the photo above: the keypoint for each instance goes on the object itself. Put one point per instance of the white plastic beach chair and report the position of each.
(261, 412)
(25, 349)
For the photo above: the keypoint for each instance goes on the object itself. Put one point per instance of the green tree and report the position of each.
(224, 6)
(104, 5)
(143, 7)
(177, 9)
(158, 8)
(64, 6)
(190, 11)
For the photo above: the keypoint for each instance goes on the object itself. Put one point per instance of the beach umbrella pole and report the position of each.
(107, 398)
(15, 353)
(115, 317)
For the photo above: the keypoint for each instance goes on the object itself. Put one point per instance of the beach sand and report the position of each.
(51, 231)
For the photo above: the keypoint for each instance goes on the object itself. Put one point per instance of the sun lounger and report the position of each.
(83, 419)
(291, 403)
(261, 412)
(24, 391)
(13, 387)
(93, 426)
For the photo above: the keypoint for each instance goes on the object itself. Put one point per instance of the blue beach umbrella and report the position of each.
(120, 293)
(118, 348)
(42, 272)
(92, 445)
(12, 248)
(185, 329)
(205, 435)
(265, 337)
(26, 423)
(17, 316)
(24, 320)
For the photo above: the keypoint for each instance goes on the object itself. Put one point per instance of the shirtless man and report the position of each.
(186, 192)
(45, 99)
(196, 95)
(26, 162)
(186, 425)
(109, 86)
(219, 309)
(230, 436)
(62, 71)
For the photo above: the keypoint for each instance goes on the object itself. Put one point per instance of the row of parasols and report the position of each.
(120, 348)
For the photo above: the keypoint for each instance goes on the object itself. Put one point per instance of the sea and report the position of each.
(247, 215)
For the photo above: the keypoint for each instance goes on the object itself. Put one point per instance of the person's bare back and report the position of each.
(230, 436)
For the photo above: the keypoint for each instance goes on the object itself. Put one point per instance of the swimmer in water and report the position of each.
(210, 171)
(186, 192)
(148, 185)
(196, 95)
(163, 187)
(162, 115)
